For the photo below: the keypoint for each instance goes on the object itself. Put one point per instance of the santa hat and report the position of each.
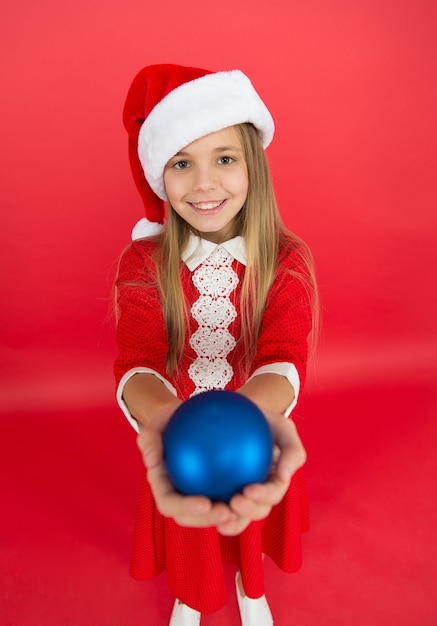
(168, 107)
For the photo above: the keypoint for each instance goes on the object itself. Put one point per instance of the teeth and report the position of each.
(204, 206)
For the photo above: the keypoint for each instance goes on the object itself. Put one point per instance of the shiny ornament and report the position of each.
(216, 443)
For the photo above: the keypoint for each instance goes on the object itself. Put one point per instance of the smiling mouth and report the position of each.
(207, 206)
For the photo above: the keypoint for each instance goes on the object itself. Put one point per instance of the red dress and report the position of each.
(193, 558)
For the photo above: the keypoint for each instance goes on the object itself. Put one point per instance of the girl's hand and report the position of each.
(193, 511)
(289, 455)
(198, 511)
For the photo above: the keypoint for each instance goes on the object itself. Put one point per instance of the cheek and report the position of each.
(171, 187)
(239, 183)
(243, 186)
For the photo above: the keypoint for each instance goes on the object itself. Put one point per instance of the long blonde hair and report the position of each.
(260, 224)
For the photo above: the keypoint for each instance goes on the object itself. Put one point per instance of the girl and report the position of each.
(216, 296)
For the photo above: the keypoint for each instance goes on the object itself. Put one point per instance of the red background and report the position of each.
(352, 88)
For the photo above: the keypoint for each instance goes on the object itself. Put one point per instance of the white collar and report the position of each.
(199, 249)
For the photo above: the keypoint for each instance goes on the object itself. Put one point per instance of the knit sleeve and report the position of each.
(287, 318)
(140, 334)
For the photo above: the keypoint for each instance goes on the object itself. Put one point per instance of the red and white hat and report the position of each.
(169, 106)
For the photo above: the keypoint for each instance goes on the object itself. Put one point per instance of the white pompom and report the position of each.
(144, 228)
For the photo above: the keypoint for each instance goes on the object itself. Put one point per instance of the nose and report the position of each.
(204, 178)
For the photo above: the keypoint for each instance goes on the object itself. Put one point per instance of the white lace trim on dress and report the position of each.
(215, 280)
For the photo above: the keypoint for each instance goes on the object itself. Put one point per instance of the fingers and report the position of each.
(293, 454)
(254, 503)
(149, 441)
(233, 527)
(289, 455)
(172, 504)
(247, 507)
(193, 511)
(150, 446)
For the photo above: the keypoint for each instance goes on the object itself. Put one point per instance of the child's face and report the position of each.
(207, 182)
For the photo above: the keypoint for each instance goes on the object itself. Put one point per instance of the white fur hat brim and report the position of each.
(193, 110)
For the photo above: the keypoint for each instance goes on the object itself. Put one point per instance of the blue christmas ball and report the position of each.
(216, 443)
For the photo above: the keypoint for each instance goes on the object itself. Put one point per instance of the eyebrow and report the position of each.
(218, 149)
(227, 149)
